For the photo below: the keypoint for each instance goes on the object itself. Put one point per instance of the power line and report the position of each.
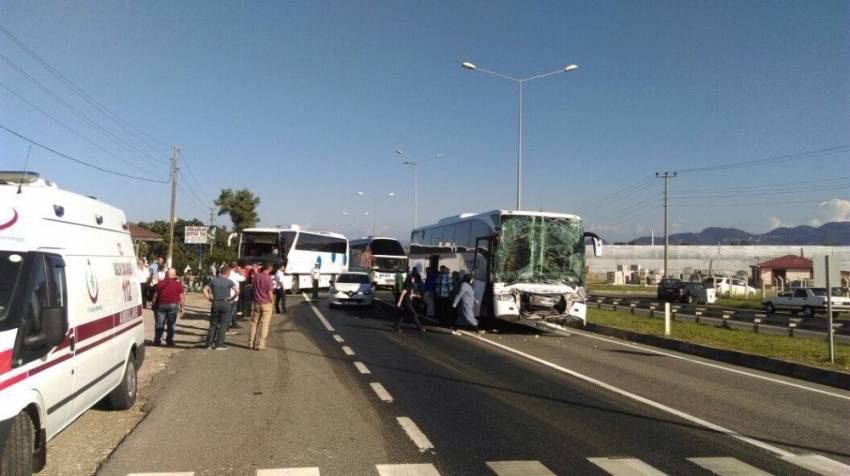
(625, 191)
(78, 113)
(772, 160)
(758, 193)
(70, 129)
(194, 179)
(74, 159)
(191, 193)
(87, 97)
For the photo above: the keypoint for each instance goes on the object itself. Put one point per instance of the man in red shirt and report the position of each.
(168, 303)
(262, 294)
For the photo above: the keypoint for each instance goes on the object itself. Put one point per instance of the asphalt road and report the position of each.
(473, 404)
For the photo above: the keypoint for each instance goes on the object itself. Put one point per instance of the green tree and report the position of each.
(241, 205)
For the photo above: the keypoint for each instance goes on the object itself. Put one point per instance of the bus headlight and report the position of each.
(505, 297)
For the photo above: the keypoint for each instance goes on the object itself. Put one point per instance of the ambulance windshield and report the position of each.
(10, 270)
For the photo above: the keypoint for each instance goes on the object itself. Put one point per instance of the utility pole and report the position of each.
(212, 223)
(830, 336)
(173, 202)
(666, 176)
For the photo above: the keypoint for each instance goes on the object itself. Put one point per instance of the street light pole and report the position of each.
(415, 166)
(520, 81)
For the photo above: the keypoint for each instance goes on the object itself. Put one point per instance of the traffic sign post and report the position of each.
(196, 235)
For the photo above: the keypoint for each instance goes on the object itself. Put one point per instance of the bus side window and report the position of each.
(37, 300)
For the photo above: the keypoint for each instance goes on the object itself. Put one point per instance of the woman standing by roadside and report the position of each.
(466, 298)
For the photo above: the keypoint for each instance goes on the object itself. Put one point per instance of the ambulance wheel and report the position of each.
(123, 396)
(18, 453)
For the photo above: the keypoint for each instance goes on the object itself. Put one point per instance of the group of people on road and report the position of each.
(446, 297)
(252, 290)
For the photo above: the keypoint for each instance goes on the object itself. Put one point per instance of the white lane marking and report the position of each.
(625, 467)
(362, 368)
(163, 474)
(695, 361)
(407, 470)
(519, 468)
(338, 338)
(289, 472)
(652, 403)
(347, 350)
(819, 464)
(381, 392)
(727, 466)
(325, 322)
(414, 433)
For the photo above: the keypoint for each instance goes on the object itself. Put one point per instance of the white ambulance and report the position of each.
(71, 330)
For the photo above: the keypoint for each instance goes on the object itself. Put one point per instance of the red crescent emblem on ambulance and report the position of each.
(11, 222)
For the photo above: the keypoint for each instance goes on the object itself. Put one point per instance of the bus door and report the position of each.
(481, 263)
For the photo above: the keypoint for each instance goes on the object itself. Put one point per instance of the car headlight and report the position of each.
(505, 297)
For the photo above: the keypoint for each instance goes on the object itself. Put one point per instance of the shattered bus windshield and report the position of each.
(540, 249)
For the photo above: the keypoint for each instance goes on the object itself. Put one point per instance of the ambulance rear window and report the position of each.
(10, 270)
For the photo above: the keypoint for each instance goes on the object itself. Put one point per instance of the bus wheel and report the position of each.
(123, 396)
(18, 452)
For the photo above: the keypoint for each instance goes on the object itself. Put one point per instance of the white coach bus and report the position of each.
(380, 257)
(298, 250)
(526, 264)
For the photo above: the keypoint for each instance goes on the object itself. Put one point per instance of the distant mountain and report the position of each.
(835, 233)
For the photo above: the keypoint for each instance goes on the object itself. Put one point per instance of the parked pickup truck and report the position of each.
(805, 300)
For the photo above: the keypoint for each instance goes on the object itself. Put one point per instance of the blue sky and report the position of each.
(306, 102)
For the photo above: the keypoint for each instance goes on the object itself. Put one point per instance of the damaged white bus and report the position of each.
(526, 264)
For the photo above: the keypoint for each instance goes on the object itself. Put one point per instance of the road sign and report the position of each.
(197, 235)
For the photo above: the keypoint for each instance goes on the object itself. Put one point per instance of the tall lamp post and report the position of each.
(415, 166)
(520, 81)
(374, 198)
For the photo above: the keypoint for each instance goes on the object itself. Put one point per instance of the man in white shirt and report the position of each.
(279, 292)
(144, 274)
(237, 278)
(315, 275)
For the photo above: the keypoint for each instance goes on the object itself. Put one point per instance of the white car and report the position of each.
(730, 287)
(807, 300)
(351, 289)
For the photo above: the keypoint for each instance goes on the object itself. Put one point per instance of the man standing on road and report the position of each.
(169, 302)
(236, 276)
(221, 292)
(315, 275)
(262, 294)
(405, 304)
(466, 299)
(279, 291)
(444, 295)
(144, 275)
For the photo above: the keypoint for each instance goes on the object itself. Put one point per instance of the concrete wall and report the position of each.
(721, 259)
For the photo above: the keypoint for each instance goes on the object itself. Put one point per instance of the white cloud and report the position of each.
(774, 223)
(836, 209)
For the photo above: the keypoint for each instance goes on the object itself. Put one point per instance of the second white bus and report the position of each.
(298, 250)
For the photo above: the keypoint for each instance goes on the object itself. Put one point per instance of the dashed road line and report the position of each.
(338, 338)
(727, 466)
(414, 433)
(362, 368)
(786, 455)
(289, 472)
(325, 322)
(347, 350)
(625, 467)
(519, 468)
(381, 392)
(407, 470)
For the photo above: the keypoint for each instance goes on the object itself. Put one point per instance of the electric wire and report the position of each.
(197, 183)
(74, 159)
(633, 188)
(126, 126)
(810, 154)
(142, 154)
(70, 129)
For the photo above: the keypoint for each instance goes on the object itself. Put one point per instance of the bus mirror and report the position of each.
(230, 239)
(597, 243)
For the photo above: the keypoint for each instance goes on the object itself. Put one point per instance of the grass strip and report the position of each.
(804, 351)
